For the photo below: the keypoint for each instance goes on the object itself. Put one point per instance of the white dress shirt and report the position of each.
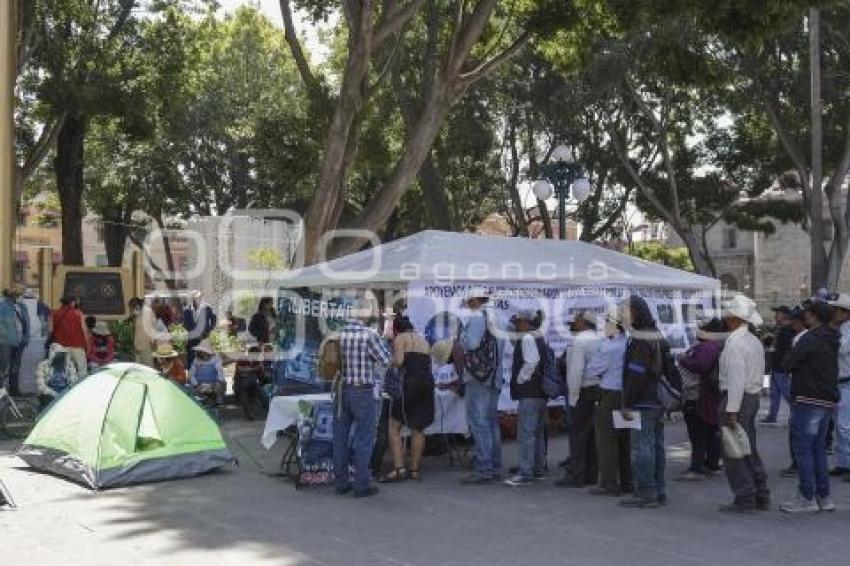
(530, 359)
(741, 367)
(579, 355)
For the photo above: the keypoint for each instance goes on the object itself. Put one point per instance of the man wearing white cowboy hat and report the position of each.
(841, 305)
(741, 382)
(483, 379)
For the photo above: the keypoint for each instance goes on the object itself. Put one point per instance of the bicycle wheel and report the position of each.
(17, 417)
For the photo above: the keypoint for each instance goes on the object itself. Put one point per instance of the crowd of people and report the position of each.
(620, 381)
(54, 349)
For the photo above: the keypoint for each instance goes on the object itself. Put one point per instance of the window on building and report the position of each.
(730, 239)
(102, 260)
(729, 282)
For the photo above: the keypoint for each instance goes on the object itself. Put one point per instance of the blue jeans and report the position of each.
(648, 456)
(809, 424)
(355, 409)
(531, 416)
(482, 412)
(780, 388)
(842, 428)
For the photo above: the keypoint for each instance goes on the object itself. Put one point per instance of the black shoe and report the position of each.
(342, 490)
(838, 472)
(662, 500)
(637, 502)
(789, 472)
(763, 504)
(368, 492)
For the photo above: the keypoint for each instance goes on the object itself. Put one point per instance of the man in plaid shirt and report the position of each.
(361, 350)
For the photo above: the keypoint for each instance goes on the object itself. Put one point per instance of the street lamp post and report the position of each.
(556, 178)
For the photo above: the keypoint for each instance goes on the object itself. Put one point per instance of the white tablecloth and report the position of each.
(449, 414)
(283, 413)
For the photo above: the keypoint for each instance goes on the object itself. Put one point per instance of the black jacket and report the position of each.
(813, 365)
(259, 327)
(644, 359)
(781, 346)
(532, 389)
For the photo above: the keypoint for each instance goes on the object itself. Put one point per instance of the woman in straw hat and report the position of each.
(167, 362)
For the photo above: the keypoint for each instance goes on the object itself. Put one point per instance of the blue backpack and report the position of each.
(58, 381)
(553, 384)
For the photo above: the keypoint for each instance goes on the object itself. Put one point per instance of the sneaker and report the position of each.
(518, 481)
(662, 500)
(540, 476)
(826, 504)
(799, 505)
(789, 472)
(342, 490)
(838, 472)
(637, 502)
(768, 421)
(368, 492)
(690, 475)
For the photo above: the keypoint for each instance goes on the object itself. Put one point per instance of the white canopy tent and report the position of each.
(435, 271)
(433, 255)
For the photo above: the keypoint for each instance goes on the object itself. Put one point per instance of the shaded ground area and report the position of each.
(247, 516)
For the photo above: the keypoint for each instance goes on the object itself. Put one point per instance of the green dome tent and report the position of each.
(125, 425)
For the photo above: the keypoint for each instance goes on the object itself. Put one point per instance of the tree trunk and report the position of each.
(68, 167)
(698, 253)
(520, 219)
(115, 241)
(325, 202)
(819, 265)
(436, 198)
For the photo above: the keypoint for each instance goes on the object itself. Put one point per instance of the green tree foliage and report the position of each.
(665, 255)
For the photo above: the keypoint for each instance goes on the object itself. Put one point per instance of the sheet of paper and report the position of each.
(620, 422)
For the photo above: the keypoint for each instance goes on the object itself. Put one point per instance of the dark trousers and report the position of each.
(354, 435)
(705, 441)
(250, 398)
(612, 445)
(746, 476)
(583, 438)
(190, 353)
(382, 438)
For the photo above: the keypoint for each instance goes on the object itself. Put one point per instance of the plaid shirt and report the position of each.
(362, 349)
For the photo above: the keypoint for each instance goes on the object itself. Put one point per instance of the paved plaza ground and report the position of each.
(247, 516)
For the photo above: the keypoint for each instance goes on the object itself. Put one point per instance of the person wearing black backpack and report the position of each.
(483, 381)
(645, 352)
(527, 389)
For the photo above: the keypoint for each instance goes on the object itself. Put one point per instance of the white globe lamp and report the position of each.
(543, 190)
(581, 189)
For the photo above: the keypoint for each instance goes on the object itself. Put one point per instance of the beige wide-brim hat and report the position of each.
(442, 351)
(164, 351)
(743, 308)
(205, 347)
(478, 292)
(842, 302)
